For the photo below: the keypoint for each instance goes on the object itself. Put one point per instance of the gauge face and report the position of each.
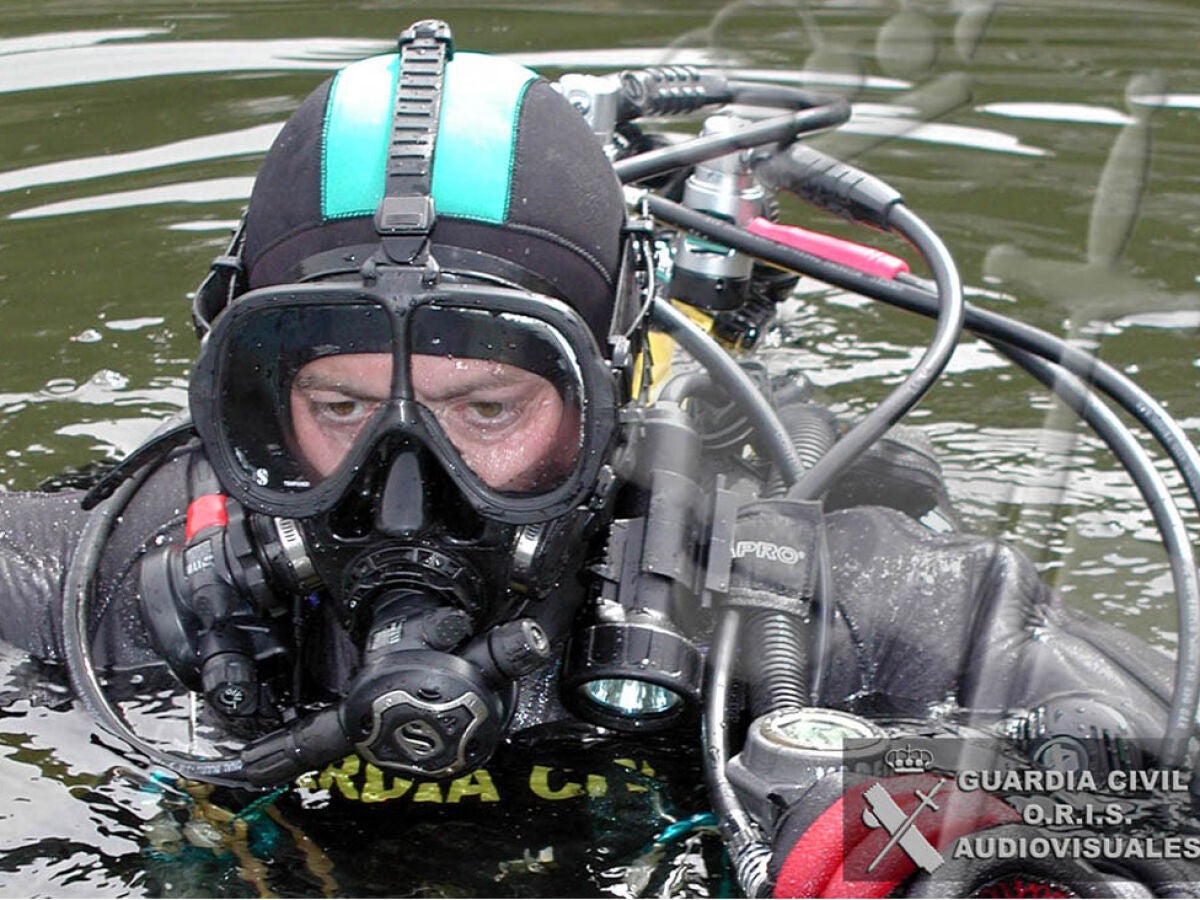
(821, 730)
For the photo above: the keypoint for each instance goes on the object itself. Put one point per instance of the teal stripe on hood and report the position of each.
(480, 108)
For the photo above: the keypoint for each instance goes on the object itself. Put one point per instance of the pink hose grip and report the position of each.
(865, 259)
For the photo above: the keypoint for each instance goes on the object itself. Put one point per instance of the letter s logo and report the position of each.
(418, 740)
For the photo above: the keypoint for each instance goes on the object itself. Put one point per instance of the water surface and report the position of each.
(1063, 178)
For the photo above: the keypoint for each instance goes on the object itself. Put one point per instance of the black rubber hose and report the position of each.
(748, 850)
(812, 436)
(759, 93)
(780, 665)
(77, 650)
(1114, 433)
(781, 129)
(1131, 396)
(786, 650)
(777, 667)
(913, 296)
(924, 374)
(735, 382)
(752, 852)
(920, 379)
(689, 384)
(812, 432)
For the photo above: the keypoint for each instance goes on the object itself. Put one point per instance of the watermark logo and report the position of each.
(932, 802)
(884, 812)
(908, 760)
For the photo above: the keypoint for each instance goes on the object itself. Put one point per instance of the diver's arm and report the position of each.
(1029, 652)
(924, 619)
(36, 542)
(39, 540)
(155, 516)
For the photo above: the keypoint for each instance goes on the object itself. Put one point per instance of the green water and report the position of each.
(130, 132)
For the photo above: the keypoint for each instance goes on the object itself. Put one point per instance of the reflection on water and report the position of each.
(247, 141)
(129, 137)
(1059, 112)
(213, 190)
(93, 59)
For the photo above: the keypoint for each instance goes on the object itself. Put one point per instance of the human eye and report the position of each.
(491, 413)
(485, 415)
(337, 410)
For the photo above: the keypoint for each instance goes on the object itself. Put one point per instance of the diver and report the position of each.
(424, 503)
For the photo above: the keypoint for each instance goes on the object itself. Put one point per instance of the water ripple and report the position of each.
(75, 65)
(228, 144)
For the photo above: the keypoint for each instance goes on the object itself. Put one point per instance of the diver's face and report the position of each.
(511, 426)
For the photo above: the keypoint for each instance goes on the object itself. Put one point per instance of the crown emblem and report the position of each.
(908, 760)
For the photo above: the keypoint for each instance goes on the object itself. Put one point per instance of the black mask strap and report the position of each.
(406, 215)
(226, 279)
(156, 449)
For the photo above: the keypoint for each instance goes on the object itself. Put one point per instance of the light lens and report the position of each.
(630, 697)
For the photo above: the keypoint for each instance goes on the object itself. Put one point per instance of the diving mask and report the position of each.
(298, 386)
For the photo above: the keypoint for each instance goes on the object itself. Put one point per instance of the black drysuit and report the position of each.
(924, 622)
(922, 619)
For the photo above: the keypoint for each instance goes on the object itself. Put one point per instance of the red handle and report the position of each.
(864, 259)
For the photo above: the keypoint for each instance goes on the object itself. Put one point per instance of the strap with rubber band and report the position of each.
(405, 216)
(225, 280)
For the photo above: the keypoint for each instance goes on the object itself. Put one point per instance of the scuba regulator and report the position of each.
(428, 699)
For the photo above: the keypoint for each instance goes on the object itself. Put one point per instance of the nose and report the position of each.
(402, 509)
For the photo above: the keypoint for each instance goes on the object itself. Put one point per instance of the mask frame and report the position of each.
(397, 293)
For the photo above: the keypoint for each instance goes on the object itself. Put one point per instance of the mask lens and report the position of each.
(332, 400)
(505, 393)
(303, 390)
(284, 369)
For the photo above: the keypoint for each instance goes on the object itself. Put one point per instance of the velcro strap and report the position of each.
(776, 549)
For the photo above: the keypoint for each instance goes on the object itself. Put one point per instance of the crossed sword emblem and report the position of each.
(885, 813)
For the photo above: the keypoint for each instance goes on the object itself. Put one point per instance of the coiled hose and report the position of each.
(812, 432)
(779, 667)
(778, 670)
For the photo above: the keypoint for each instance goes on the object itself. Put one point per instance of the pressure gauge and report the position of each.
(788, 751)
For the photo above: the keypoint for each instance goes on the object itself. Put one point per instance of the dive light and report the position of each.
(632, 667)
